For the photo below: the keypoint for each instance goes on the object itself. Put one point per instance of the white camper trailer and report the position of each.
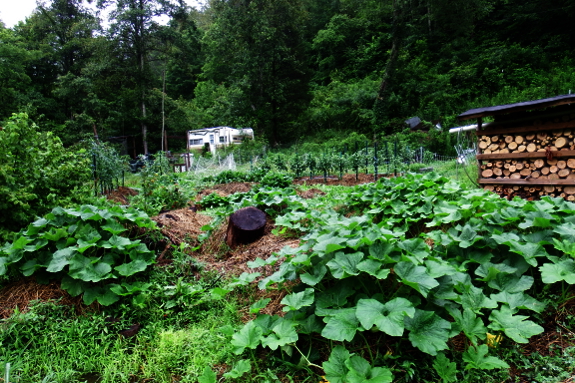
(213, 138)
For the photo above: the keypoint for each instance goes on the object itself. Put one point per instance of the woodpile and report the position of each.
(531, 143)
(529, 162)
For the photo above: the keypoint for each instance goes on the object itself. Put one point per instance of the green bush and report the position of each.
(214, 200)
(107, 165)
(276, 180)
(36, 173)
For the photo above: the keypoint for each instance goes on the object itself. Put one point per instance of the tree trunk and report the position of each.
(144, 127)
(245, 226)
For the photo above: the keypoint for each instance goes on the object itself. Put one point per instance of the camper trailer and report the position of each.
(217, 137)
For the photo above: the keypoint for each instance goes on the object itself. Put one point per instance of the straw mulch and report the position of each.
(347, 180)
(19, 294)
(120, 195)
(183, 225)
(218, 256)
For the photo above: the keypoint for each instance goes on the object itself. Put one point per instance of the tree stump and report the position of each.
(245, 226)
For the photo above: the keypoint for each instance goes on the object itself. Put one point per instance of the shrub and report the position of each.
(36, 173)
(276, 180)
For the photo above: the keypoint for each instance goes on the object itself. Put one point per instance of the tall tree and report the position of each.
(134, 29)
(185, 58)
(257, 46)
(61, 30)
(14, 80)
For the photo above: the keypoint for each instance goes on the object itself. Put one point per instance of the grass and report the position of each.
(52, 343)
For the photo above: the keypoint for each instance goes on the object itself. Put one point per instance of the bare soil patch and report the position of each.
(120, 195)
(225, 190)
(347, 180)
(310, 193)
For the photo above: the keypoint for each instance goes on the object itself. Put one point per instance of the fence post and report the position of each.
(387, 159)
(95, 173)
(341, 163)
(375, 162)
(395, 158)
(355, 153)
(366, 159)
(324, 159)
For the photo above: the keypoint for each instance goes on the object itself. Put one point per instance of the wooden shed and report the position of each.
(527, 149)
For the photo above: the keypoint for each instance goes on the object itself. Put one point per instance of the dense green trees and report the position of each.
(257, 47)
(14, 79)
(61, 33)
(286, 68)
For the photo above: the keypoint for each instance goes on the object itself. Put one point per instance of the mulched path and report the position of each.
(19, 294)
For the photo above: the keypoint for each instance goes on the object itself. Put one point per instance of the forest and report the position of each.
(290, 69)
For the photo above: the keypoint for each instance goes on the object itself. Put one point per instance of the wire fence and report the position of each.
(386, 158)
(378, 159)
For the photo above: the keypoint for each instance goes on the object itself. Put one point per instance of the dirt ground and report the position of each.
(347, 180)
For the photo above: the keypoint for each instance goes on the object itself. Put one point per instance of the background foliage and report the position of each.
(289, 69)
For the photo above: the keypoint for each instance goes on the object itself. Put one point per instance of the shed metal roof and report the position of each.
(517, 107)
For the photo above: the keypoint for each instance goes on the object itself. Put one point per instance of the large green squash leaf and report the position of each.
(428, 331)
(88, 269)
(516, 327)
(561, 270)
(341, 326)
(387, 317)
(446, 369)
(476, 358)
(249, 336)
(361, 372)
(296, 301)
(335, 368)
(416, 277)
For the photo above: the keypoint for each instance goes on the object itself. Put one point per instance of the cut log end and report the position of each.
(245, 226)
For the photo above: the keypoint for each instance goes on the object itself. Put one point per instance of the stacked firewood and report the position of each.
(532, 192)
(547, 167)
(534, 168)
(535, 142)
